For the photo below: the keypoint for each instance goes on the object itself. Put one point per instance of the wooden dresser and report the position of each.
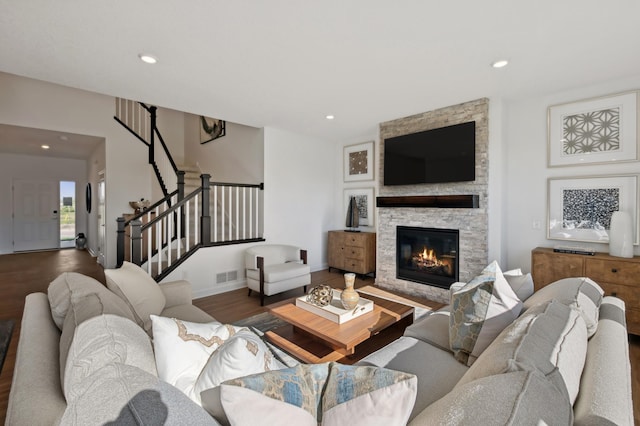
(352, 251)
(618, 276)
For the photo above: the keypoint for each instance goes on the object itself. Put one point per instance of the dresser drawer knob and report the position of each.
(614, 270)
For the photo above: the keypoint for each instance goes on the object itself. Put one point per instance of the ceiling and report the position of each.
(287, 64)
(29, 141)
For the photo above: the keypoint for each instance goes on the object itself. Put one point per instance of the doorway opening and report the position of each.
(67, 214)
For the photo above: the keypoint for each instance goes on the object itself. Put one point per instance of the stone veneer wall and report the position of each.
(473, 224)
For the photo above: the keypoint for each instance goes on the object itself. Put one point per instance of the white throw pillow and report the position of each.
(139, 290)
(241, 355)
(479, 312)
(183, 348)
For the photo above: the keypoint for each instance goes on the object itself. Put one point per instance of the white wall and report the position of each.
(300, 192)
(33, 103)
(527, 172)
(28, 167)
(237, 157)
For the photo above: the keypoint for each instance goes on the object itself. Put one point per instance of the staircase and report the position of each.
(194, 211)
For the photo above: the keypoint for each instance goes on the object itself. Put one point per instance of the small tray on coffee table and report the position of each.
(334, 311)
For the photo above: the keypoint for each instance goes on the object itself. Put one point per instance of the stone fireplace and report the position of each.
(471, 222)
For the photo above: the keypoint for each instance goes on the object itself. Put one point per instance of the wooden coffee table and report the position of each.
(314, 339)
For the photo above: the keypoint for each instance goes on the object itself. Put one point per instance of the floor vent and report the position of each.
(221, 277)
(232, 275)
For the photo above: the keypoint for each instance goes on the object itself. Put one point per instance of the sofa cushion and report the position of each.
(124, 394)
(183, 348)
(582, 294)
(324, 394)
(242, 354)
(102, 340)
(68, 283)
(436, 369)
(85, 306)
(516, 398)
(139, 290)
(606, 399)
(479, 312)
(550, 338)
(432, 329)
(188, 313)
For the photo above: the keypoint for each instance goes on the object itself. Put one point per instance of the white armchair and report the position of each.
(274, 268)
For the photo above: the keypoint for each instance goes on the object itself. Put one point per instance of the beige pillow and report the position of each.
(66, 284)
(550, 338)
(139, 290)
(103, 340)
(580, 293)
(517, 398)
(479, 312)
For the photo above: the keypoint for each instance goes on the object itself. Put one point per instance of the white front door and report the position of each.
(36, 216)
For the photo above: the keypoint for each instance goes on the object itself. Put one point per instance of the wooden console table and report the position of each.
(618, 276)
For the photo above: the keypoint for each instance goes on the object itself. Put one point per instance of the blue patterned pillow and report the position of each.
(320, 394)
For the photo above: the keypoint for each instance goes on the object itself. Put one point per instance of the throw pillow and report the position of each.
(183, 348)
(103, 340)
(119, 394)
(139, 290)
(325, 394)
(479, 312)
(550, 338)
(242, 354)
(581, 293)
(517, 398)
(522, 285)
(72, 283)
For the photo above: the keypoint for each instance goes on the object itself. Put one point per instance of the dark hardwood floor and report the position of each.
(21, 274)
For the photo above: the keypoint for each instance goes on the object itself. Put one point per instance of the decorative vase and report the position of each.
(349, 297)
(621, 235)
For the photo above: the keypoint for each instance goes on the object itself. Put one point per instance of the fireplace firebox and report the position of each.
(427, 255)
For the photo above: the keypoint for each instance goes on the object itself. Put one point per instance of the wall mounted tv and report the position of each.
(446, 154)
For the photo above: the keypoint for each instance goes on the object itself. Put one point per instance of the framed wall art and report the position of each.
(592, 131)
(364, 201)
(358, 162)
(580, 208)
(211, 129)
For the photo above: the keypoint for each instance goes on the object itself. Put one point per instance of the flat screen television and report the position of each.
(446, 154)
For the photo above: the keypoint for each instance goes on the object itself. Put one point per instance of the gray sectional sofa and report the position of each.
(564, 360)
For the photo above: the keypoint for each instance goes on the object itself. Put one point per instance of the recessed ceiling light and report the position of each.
(500, 64)
(44, 146)
(330, 117)
(149, 59)
(63, 138)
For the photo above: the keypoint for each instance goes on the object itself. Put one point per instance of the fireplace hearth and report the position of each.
(427, 255)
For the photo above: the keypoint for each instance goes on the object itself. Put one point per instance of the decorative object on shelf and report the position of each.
(358, 162)
(352, 216)
(320, 295)
(364, 201)
(621, 235)
(140, 206)
(580, 208)
(349, 297)
(591, 131)
(211, 129)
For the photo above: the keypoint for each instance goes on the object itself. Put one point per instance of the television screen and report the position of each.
(446, 154)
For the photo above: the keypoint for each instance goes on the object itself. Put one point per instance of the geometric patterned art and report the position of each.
(589, 208)
(361, 202)
(593, 131)
(358, 163)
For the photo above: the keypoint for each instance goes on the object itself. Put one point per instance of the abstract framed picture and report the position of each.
(580, 208)
(358, 162)
(211, 129)
(364, 201)
(592, 131)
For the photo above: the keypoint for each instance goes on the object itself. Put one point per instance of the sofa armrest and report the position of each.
(36, 375)
(177, 293)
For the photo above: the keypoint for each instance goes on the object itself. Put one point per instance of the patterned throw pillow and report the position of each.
(479, 312)
(324, 394)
